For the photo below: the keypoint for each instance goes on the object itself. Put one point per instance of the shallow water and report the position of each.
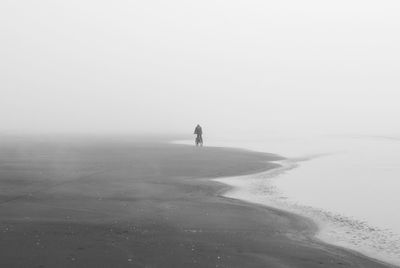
(349, 185)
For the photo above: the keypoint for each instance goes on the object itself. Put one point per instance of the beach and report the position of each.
(347, 184)
(146, 204)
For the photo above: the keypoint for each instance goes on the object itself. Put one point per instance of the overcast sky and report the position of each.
(249, 67)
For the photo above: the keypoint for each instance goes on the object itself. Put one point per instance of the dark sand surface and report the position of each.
(144, 205)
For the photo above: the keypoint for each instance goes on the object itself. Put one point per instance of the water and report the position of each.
(349, 185)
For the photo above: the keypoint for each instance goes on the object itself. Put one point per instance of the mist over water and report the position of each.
(315, 81)
(354, 176)
(247, 72)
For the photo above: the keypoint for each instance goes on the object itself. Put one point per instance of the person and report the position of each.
(199, 138)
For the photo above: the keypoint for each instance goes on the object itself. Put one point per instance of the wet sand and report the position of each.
(125, 204)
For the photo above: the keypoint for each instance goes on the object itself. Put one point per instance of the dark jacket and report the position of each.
(198, 130)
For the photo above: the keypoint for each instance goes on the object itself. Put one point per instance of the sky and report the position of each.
(249, 68)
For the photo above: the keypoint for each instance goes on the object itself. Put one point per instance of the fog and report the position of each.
(246, 68)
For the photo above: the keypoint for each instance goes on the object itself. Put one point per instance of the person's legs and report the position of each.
(199, 140)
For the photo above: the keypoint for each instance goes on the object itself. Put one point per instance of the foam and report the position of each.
(334, 228)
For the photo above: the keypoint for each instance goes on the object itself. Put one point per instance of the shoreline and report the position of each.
(237, 188)
(140, 205)
(334, 229)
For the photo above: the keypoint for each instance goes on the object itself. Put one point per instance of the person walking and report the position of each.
(199, 135)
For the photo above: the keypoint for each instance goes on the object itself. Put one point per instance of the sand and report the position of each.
(126, 204)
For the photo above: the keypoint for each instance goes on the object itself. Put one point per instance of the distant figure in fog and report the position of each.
(199, 135)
